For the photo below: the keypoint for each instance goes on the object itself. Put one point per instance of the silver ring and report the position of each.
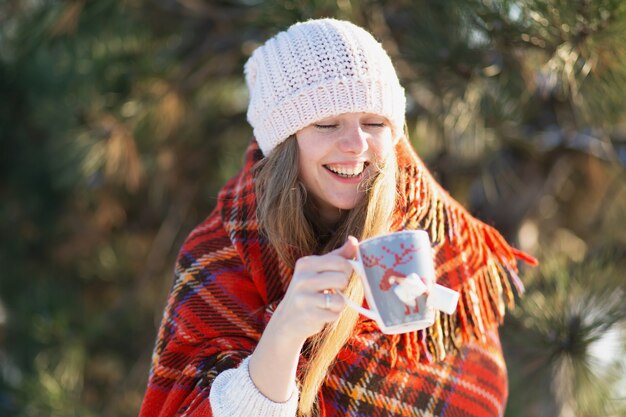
(326, 299)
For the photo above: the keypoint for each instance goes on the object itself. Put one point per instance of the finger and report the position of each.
(349, 248)
(326, 280)
(326, 263)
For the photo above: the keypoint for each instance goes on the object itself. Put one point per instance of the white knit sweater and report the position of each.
(233, 394)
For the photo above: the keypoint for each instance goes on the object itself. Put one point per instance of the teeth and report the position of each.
(347, 172)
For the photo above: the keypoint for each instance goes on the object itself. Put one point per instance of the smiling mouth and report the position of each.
(348, 172)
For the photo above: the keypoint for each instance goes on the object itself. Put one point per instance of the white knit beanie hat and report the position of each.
(317, 69)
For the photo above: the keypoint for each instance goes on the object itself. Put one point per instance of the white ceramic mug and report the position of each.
(398, 275)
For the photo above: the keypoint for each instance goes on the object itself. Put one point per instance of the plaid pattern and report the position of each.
(228, 279)
(471, 381)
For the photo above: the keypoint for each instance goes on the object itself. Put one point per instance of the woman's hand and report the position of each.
(312, 299)
(303, 312)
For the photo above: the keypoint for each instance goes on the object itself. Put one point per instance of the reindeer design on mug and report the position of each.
(403, 285)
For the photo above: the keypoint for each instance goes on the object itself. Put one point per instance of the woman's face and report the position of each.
(336, 154)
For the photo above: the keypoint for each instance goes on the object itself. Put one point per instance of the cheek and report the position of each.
(304, 175)
(306, 167)
(382, 147)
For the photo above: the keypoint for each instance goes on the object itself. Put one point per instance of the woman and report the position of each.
(254, 324)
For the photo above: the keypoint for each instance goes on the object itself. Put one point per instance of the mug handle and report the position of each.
(370, 314)
(358, 267)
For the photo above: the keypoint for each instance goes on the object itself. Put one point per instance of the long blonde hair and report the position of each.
(282, 207)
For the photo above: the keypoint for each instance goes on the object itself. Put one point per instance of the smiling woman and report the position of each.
(255, 324)
(338, 155)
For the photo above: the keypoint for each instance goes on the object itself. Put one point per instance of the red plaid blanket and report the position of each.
(228, 279)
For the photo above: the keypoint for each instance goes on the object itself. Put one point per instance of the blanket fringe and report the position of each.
(487, 260)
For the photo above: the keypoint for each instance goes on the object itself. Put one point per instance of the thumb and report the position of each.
(348, 249)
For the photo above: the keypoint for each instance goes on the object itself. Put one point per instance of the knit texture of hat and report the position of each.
(317, 69)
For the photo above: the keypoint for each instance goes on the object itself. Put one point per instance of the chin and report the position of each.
(347, 204)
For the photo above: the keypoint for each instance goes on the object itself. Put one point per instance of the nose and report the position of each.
(354, 140)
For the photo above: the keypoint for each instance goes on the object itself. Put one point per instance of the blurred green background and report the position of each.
(120, 120)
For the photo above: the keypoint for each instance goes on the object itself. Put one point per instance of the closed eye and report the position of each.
(375, 124)
(325, 126)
